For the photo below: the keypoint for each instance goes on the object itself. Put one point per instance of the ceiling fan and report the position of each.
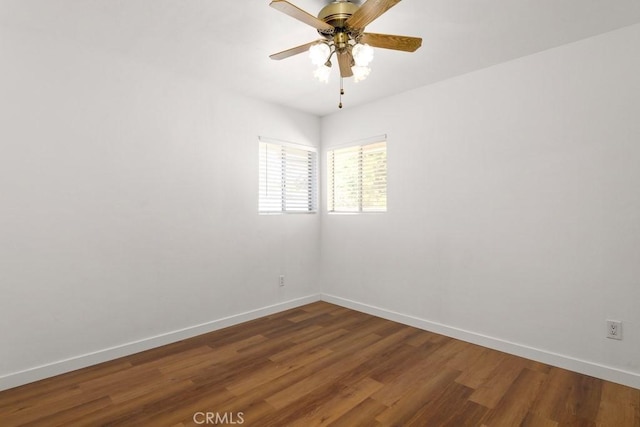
(341, 23)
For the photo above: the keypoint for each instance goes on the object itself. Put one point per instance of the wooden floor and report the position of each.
(321, 365)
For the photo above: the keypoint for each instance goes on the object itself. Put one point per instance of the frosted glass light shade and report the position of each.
(319, 53)
(360, 73)
(322, 73)
(362, 54)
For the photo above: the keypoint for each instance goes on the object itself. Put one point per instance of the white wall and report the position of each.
(514, 207)
(128, 206)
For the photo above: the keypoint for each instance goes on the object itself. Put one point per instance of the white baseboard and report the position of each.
(60, 367)
(608, 373)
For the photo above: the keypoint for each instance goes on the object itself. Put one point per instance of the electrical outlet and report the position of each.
(614, 329)
(281, 280)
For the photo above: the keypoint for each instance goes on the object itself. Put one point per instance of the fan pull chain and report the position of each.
(341, 93)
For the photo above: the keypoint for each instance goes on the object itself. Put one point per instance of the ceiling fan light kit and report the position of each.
(341, 24)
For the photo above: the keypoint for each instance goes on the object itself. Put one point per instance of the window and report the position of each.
(287, 178)
(358, 178)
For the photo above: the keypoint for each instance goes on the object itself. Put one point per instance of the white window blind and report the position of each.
(287, 178)
(358, 178)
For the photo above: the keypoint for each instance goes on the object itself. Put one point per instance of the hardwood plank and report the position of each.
(342, 402)
(388, 366)
(369, 327)
(449, 408)
(619, 406)
(143, 376)
(422, 370)
(582, 402)
(322, 365)
(312, 342)
(465, 355)
(534, 420)
(469, 414)
(166, 409)
(515, 404)
(334, 371)
(59, 384)
(311, 383)
(47, 407)
(283, 384)
(552, 404)
(404, 409)
(481, 369)
(71, 415)
(499, 382)
(419, 339)
(275, 370)
(361, 415)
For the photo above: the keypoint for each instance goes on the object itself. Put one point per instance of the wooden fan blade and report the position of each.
(344, 60)
(299, 14)
(369, 11)
(389, 41)
(294, 50)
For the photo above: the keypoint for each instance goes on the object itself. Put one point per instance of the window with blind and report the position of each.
(287, 178)
(357, 178)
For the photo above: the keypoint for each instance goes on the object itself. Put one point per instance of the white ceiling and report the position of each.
(232, 40)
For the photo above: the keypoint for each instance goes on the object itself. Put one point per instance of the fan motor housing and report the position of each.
(337, 13)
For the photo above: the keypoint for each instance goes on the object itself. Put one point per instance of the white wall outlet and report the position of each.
(614, 329)
(281, 282)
